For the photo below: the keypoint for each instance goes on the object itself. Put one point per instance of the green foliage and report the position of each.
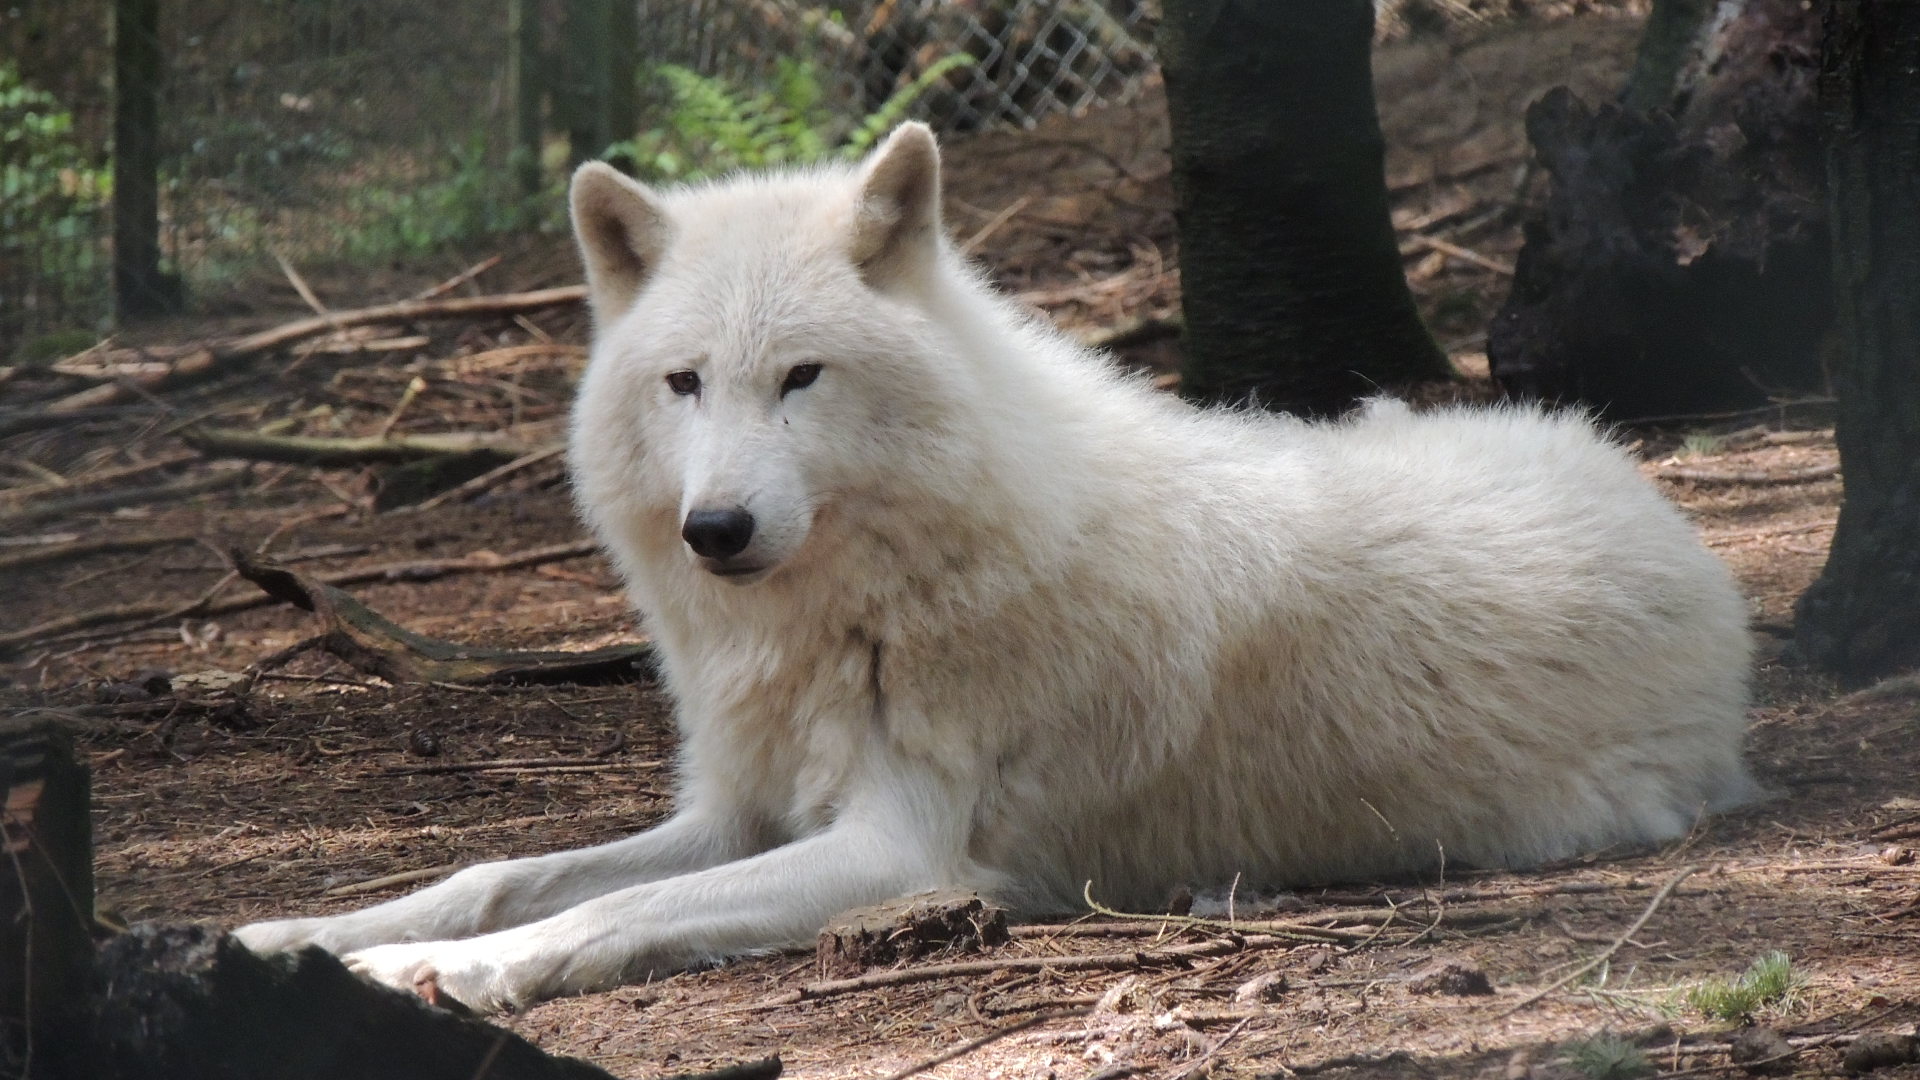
(1608, 1057)
(715, 127)
(1770, 982)
(475, 198)
(44, 349)
(50, 194)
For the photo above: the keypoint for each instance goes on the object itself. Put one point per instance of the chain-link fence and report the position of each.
(351, 132)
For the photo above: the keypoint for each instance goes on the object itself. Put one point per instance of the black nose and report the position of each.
(718, 534)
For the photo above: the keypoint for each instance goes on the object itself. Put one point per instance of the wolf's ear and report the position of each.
(621, 229)
(896, 224)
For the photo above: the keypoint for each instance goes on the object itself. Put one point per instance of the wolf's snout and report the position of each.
(718, 534)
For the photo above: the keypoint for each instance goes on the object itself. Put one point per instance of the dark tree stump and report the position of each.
(46, 893)
(187, 1001)
(1680, 262)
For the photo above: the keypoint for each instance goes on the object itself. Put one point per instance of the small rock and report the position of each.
(1895, 855)
(1452, 977)
(1879, 1051)
(1758, 1047)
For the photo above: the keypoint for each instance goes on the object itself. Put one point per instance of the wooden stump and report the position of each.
(46, 892)
(1680, 261)
(907, 929)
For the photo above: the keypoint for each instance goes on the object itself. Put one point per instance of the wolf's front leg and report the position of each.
(779, 898)
(494, 896)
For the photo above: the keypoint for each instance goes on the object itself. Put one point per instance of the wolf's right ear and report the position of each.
(622, 230)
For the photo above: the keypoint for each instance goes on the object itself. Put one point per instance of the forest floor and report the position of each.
(306, 787)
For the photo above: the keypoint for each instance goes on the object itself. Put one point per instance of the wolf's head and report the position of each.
(762, 353)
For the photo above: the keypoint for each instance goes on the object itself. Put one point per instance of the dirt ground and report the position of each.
(311, 786)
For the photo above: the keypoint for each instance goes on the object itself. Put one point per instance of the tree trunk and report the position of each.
(580, 80)
(523, 84)
(138, 287)
(1290, 275)
(1861, 619)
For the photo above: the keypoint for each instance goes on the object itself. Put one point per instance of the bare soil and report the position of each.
(295, 796)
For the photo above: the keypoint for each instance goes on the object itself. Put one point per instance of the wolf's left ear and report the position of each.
(896, 225)
(622, 230)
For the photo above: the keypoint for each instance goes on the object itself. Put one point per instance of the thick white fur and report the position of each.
(1023, 623)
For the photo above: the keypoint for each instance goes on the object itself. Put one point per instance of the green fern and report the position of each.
(894, 109)
(716, 127)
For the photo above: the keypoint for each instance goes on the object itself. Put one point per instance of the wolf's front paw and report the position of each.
(465, 971)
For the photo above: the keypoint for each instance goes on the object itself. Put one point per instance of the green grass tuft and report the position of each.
(1701, 444)
(1770, 983)
(1608, 1057)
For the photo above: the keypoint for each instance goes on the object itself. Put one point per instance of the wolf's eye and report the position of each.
(800, 378)
(683, 382)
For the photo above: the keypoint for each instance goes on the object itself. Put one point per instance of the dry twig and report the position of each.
(1603, 955)
(988, 1039)
(417, 571)
(1748, 476)
(206, 359)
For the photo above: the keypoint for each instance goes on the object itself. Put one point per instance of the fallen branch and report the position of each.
(968, 968)
(1312, 925)
(443, 767)
(207, 359)
(375, 645)
(1453, 250)
(388, 881)
(988, 1039)
(1130, 332)
(460, 278)
(486, 480)
(328, 453)
(80, 549)
(114, 500)
(37, 418)
(1725, 539)
(1748, 476)
(1605, 954)
(96, 479)
(419, 571)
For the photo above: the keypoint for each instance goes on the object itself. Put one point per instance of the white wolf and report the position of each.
(945, 601)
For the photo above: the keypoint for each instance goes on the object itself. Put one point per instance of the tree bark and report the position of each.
(1861, 619)
(523, 84)
(1290, 275)
(138, 287)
